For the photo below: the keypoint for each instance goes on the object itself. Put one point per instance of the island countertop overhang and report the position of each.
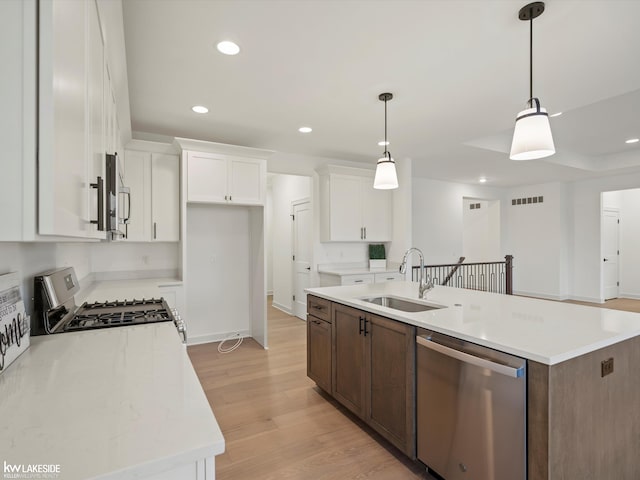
(544, 331)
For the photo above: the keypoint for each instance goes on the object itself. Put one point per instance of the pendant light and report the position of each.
(532, 136)
(386, 177)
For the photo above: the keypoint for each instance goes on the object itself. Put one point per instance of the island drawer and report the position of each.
(319, 308)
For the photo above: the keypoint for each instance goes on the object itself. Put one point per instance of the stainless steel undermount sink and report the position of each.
(401, 304)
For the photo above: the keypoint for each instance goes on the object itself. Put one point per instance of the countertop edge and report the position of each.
(401, 317)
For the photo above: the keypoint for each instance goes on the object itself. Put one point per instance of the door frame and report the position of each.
(295, 203)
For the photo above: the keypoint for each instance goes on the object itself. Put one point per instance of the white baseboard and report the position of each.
(215, 337)
(586, 299)
(282, 308)
(632, 296)
(545, 296)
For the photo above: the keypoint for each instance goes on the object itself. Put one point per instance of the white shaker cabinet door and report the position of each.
(95, 108)
(165, 197)
(206, 178)
(376, 212)
(247, 181)
(137, 177)
(345, 216)
(63, 186)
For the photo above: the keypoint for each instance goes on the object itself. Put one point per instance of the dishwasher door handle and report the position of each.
(471, 359)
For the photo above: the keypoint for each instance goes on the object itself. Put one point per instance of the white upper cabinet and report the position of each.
(165, 197)
(71, 120)
(206, 178)
(153, 206)
(18, 119)
(221, 178)
(351, 210)
(136, 173)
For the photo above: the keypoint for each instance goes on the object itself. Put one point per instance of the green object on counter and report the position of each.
(377, 252)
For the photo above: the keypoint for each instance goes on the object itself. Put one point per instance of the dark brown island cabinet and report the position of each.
(583, 417)
(371, 361)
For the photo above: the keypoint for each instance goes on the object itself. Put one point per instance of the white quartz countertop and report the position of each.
(356, 270)
(541, 330)
(116, 403)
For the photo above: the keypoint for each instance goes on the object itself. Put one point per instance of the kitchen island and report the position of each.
(583, 420)
(116, 403)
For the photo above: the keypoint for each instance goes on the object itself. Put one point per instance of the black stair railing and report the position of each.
(493, 277)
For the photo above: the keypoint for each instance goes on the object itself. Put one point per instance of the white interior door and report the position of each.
(301, 256)
(610, 253)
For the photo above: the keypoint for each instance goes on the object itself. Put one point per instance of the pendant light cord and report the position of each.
(385, 129)
(531, 56)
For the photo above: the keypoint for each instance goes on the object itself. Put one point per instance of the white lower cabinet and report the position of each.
(388, 277)
(153, 206)
(201, 470)
(356, 279)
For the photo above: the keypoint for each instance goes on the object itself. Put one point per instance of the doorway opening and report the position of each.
(284, 194)
(620, 244)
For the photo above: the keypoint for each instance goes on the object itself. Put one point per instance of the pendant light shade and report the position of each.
(532, 137)
(386, 177)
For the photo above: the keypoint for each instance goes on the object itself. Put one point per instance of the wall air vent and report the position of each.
(527, 200)
(474, 206)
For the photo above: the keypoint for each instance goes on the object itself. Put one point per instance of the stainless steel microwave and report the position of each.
(117, 201)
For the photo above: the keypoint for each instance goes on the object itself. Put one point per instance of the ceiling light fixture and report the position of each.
(483, 180)
(532, 137)
(386, 177)
(382, 143)
(305, 129)
(228, 48)
(200, 109)
(632, 140)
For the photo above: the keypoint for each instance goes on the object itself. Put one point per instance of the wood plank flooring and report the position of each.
(626, 304)
(278, 424)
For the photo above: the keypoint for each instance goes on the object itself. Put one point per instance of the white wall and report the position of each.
(401, 211)
(437, 217)
(268, 243)
(539, 236)
(629, 259)
(31, 259)
(481, 230)
(145, 259)
(285, 189)
(587, 205)
(218, 265)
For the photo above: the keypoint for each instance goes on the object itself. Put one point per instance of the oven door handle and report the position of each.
(429, 343)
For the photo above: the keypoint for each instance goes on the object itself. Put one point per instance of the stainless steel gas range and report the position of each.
(57, 311)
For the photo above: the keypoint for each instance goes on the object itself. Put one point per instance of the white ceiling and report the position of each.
(458, 70)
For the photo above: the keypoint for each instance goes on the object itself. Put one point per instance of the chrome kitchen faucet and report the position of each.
(424, 286)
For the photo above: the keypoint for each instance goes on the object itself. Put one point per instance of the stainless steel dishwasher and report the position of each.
(471, 410)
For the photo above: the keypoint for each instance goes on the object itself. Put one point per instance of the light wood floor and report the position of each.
(625, 304)
(277, 423)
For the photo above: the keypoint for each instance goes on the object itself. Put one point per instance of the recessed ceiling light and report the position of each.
(557, 114)
(305, 129)
(200, 109)
(633, 140)
(483, 180)
(383, 143)
(228, 48)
